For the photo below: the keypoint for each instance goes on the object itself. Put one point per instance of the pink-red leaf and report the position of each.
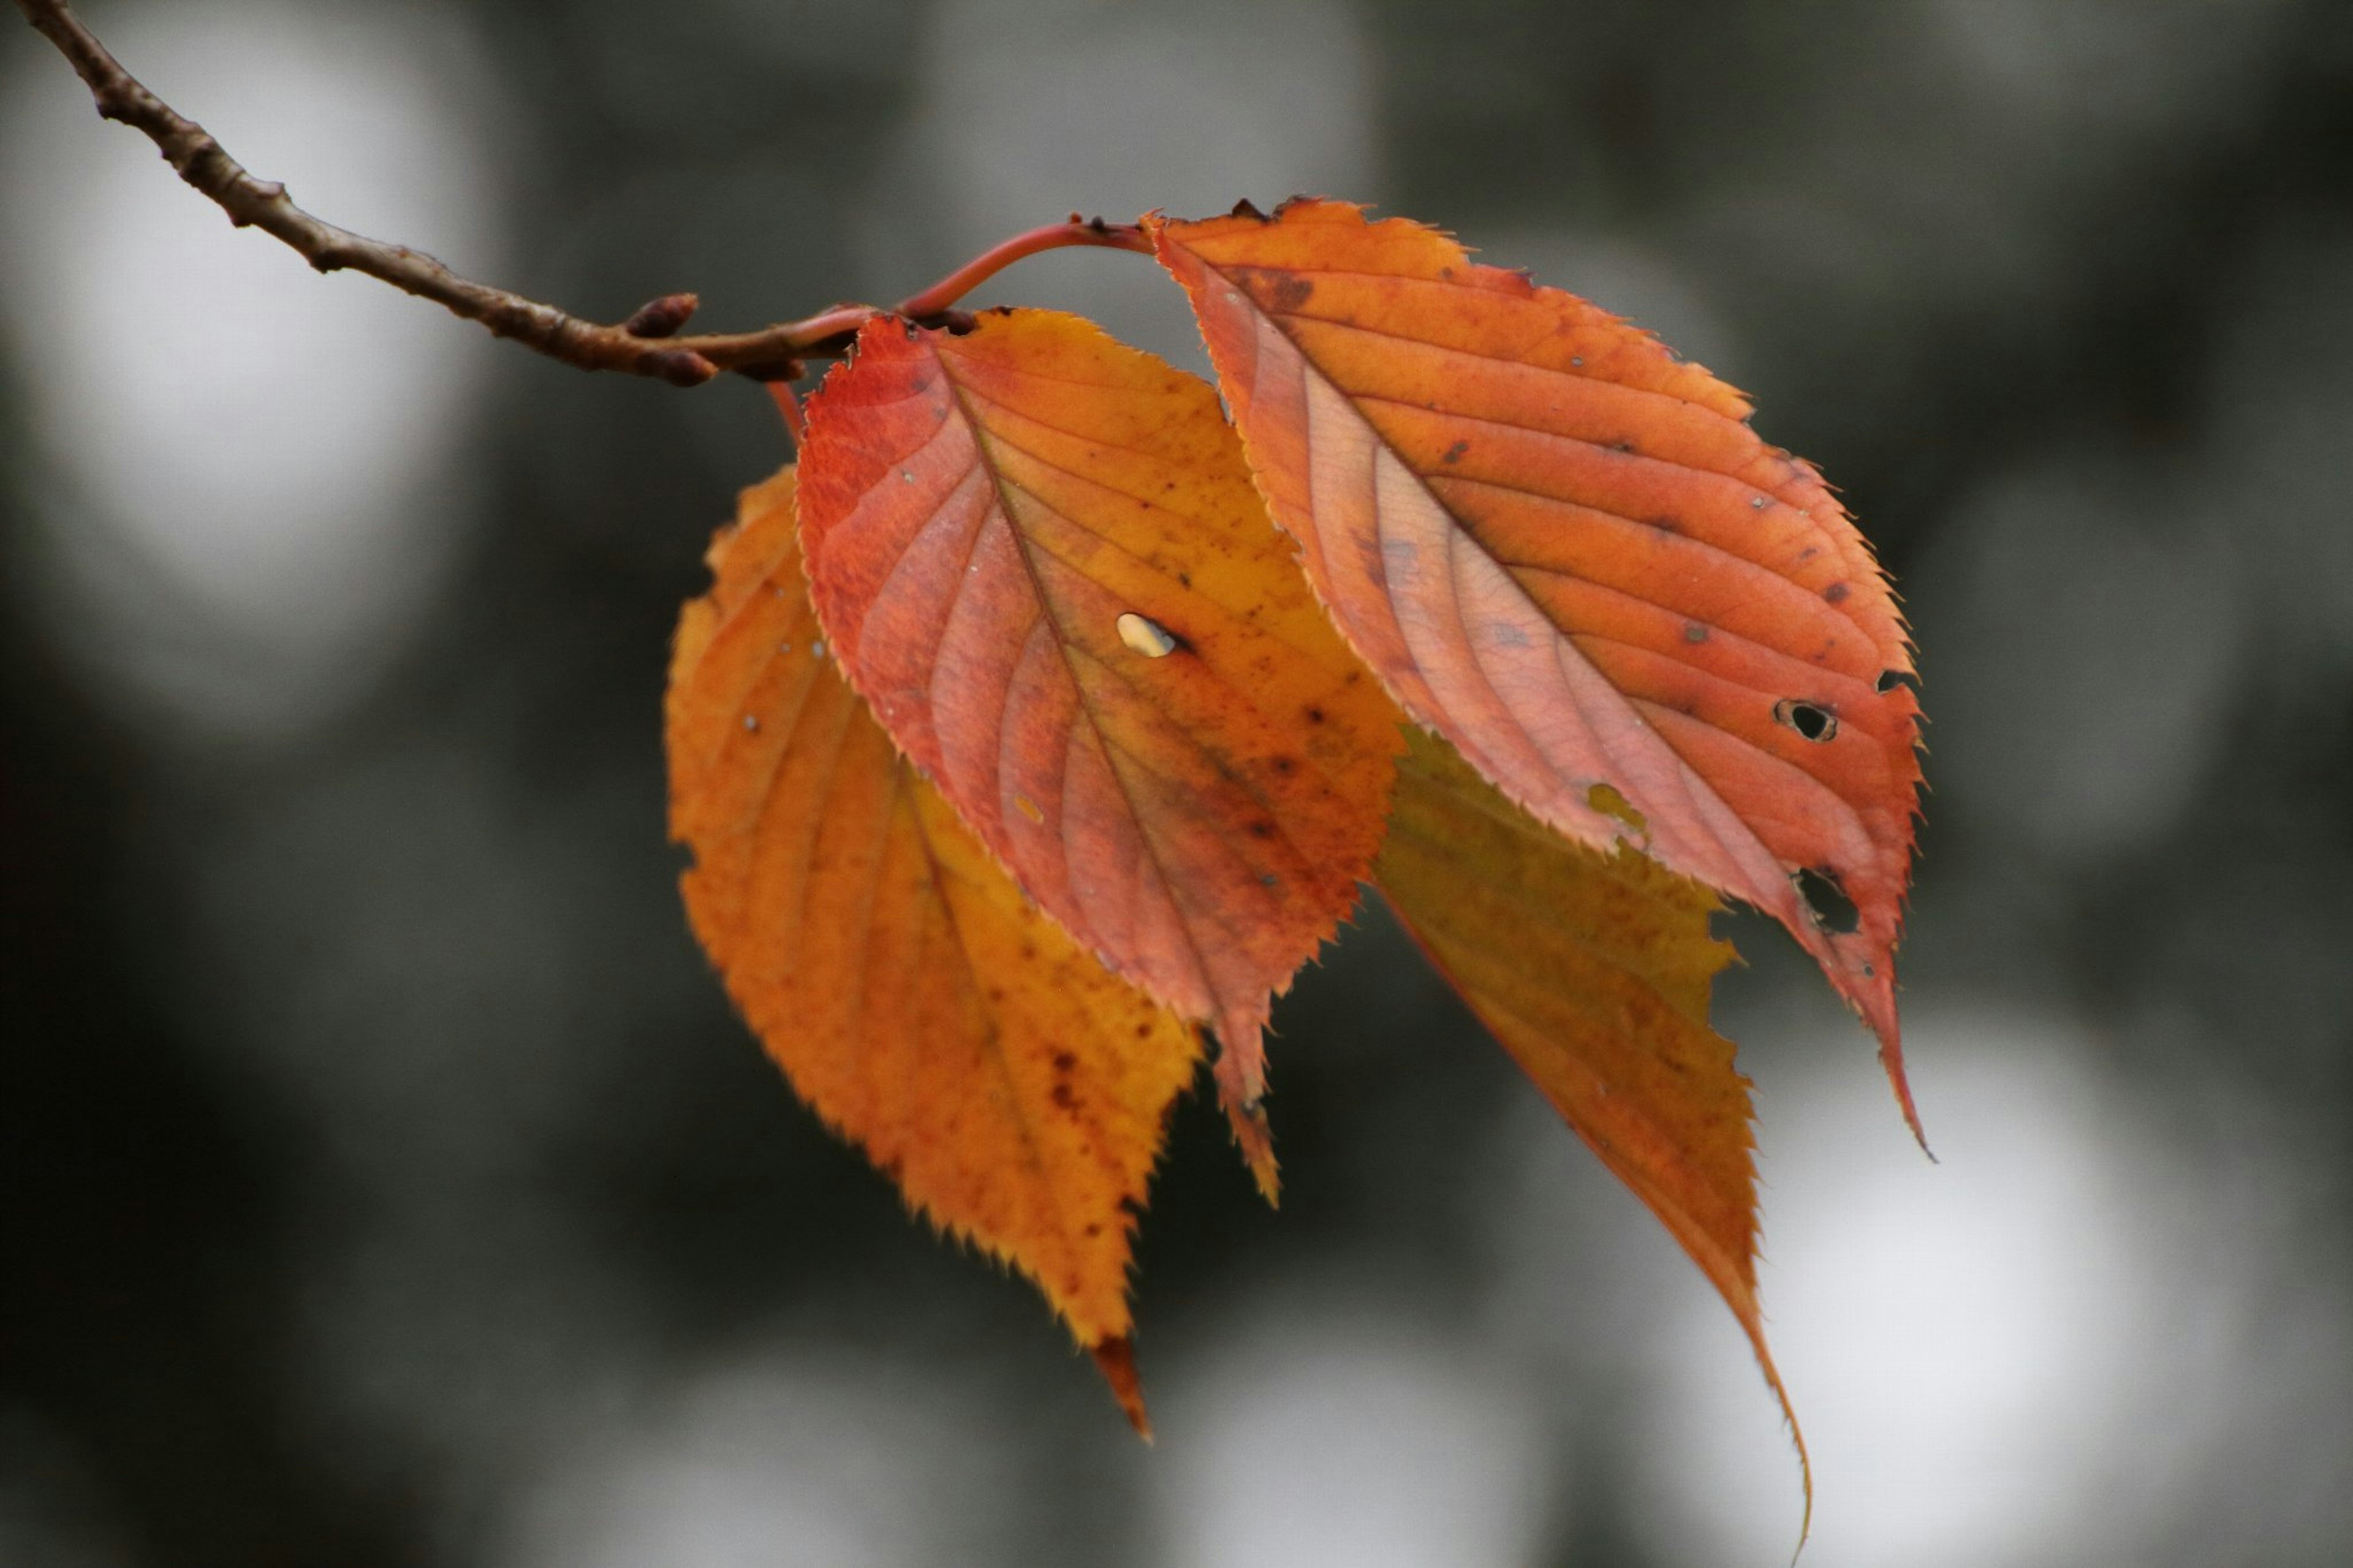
(1564, 549)
(1039, 554)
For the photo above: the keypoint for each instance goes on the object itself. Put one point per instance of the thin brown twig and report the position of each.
(645, 344)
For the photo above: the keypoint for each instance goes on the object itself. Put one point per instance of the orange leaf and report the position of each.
(1564, 549)
(1039, 556)
(1012, 1087)
(1593, 969)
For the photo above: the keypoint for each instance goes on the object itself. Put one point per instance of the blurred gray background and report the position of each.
(384, 1182)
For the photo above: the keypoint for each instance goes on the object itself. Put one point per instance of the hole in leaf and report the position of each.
(1605, 798)
(1812, 720)
(1827, 901)
(1145, 636)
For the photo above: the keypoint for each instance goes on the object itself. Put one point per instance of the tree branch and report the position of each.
(645, 344)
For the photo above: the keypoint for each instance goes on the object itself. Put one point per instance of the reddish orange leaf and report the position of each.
(1012, 1087)
(1563, 549)
(1039, 554)
(1593, 969)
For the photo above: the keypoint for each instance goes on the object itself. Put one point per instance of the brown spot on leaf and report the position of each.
(1287, 291)
(1605, 798)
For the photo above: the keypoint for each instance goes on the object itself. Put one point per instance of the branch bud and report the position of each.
(660, 318)
(680, 367)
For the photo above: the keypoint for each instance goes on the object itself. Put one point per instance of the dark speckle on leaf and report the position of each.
(1287, 291)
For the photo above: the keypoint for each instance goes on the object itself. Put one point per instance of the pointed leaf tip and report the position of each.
(1240, 1075)
(1116, 1358)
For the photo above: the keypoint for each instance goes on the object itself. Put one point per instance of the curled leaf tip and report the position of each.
(1805, 1461)
(1891, 1057)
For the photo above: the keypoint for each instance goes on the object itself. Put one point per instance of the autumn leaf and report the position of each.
(1039, 554)
(1593, 969)
(1013, 1088)
(1563, 549)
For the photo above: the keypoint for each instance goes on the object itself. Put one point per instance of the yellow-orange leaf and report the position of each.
(1563, 549)
(1039, 554)
(1013, 1088)
(1593, 969)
